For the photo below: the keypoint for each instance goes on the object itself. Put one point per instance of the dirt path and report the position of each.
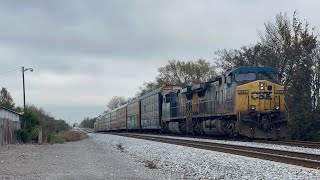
(78, 160)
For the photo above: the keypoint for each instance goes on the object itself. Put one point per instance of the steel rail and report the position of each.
(306, 144)
(288, 157)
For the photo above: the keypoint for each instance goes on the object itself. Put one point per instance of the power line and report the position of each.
(3, 74)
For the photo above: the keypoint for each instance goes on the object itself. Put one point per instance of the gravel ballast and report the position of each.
(75, 160)
(104, 156)
(250, 144)
(202, 164)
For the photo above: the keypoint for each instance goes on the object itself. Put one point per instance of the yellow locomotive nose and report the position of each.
(260, 106)
(260, 96)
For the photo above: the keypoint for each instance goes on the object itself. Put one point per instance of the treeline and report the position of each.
(88, 122)
(288, 44)
(32, 118)
(291, 46)
(175, 73)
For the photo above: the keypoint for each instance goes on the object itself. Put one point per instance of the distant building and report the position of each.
(9, 122)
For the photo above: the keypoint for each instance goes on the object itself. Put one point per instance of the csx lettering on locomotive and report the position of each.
(261, 95)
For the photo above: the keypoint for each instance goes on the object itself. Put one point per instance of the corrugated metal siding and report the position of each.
(9, 122)
(113, 122)
(103, 122)
(98, 122)
(151, 105)
(122, 117)
(133, 115)
(7, 128)
(5, 114)
(150, 112)
(108, 120)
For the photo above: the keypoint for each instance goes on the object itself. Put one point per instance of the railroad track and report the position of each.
(306, 144)
(87, 130)
(288, 157)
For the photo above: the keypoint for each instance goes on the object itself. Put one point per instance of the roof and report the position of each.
(255, 69)
(134, 100)
(152, 92)
(1, 107)
(122, 106)
(157, 91)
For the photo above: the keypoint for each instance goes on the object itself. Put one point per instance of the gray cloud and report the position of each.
(85, 52)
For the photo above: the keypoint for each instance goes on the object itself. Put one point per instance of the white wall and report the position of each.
(5, 114)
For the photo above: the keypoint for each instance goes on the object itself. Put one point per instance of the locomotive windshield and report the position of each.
(268, 76)
(250, 76)
(245, 77)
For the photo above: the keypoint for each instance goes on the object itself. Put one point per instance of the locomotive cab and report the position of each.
(260, 105)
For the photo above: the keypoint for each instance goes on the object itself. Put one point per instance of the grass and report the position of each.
(71, 136)
(57, 139)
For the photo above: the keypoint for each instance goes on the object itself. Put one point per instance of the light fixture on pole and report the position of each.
(24, 92)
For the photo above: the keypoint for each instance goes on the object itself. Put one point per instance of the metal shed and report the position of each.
(9, 122)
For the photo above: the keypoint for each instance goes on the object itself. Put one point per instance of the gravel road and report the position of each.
(194, 163)
(77, 160)
(99, 158)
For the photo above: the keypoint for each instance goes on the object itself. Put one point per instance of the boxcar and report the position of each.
(133, 115)
(97, 124)
(151, 107)
(122, 117)
(107, 117)
(103, 122)
(113, 120)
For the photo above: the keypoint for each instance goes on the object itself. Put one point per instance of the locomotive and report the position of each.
(247, 101)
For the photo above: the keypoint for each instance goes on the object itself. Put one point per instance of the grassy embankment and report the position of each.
(67, 136)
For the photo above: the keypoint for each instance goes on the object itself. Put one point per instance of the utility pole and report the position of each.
(24, 90)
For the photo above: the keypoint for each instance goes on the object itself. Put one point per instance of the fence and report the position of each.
(7, 129)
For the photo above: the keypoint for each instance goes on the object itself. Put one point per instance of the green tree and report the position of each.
(291, 48)
(88, 123)
(34, 117)
(28, 132)
(299, 89)
(6, 99)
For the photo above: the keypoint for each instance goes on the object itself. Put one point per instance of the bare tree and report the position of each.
(116, 102)
(181, 73)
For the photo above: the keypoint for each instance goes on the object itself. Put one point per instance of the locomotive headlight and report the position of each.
(252, 107)
(277, 108)
(261, 85)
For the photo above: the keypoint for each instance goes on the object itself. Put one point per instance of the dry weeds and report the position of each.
(120, 147)
(150, 164)
(70, 136)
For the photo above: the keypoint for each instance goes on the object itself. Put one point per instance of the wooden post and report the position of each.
(39, 134)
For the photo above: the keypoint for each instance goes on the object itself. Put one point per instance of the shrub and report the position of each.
(26, 135)
(22, 135)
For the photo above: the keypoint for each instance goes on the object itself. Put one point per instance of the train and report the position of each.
(245, 102)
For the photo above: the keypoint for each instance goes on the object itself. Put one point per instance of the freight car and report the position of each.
(247, 101)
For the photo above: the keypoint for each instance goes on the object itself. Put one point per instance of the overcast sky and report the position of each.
(85, 52)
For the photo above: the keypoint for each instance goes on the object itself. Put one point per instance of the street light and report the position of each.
(24, 93)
